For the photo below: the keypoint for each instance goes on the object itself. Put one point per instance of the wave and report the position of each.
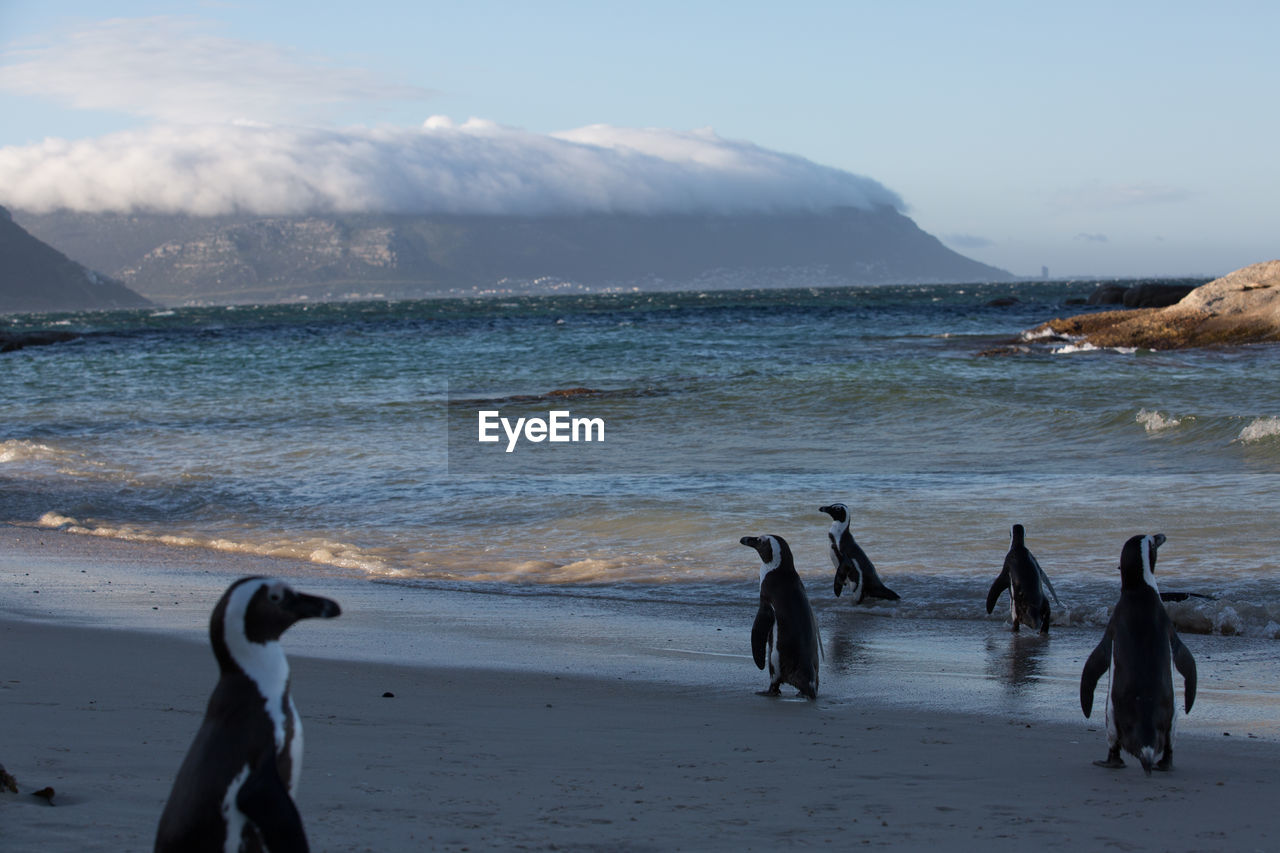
(34, 455)
(1073, 348)
(1232, 613)
(1261, 429)
(23, 450)
(318, 550)
(1154, 421)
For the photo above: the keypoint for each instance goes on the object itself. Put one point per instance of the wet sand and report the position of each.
(554, 723)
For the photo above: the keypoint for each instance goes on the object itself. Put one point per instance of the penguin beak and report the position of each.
(303, 606)
(825, 509)
(750, 542)
(1158, 539)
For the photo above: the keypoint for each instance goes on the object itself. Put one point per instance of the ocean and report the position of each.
(347, 435)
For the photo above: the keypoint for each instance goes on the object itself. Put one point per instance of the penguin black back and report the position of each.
(1028, 585)
(234, 788)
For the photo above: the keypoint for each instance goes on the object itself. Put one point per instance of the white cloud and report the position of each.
(235, 130)
(1102, 197)
(440, 167)
(967, 241)
(180, 70)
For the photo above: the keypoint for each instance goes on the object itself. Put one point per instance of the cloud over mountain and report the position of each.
(477, 167)
(243, 126)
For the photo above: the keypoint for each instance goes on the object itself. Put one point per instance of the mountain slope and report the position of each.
(37, 277)
(176, 259)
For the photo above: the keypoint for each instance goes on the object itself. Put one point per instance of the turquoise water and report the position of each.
(346, 434)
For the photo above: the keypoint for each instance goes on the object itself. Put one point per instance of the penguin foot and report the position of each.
(1165, 764)
(772, 691)
(1113, 761)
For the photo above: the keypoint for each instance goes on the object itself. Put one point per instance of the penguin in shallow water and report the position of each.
(234, 790)
(850, 562)
(1028, 585)
(1136, 647)
(785, 633)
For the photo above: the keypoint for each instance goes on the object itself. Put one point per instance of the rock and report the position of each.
(1240, 308)
(1108, 294)
(1149, 295)
(1142, 295)
(10, 341)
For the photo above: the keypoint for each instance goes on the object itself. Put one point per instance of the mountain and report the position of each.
(37, 277)
(193, 260)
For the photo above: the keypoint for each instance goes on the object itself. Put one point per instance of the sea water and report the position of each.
(347, 435)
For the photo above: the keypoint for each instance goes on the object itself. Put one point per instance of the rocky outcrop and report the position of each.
(1141, 295)
(10, 341)
(1240, 308)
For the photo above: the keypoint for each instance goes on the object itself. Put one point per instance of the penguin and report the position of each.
(1137, 646)
(234, 790)
(850, 561)
(785, 632)
(1028, 585)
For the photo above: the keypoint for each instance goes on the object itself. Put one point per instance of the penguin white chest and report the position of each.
(775, 665)
(837, 530)
(1113, 734)
(295, 749)
(232, 817)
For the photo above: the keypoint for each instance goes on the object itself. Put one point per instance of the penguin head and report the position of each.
(773, 551)
(1017, 536)
(838, 512)
(1138, 561)
(257, 610)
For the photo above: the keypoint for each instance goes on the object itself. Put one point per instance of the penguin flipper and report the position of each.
(845, 571)
(1186, 666)
(1044, 579)
(1000, 585)
(761, 631)
(264, 799)
(1099, 662)
(859, 573)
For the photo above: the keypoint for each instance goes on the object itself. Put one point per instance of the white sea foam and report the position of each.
(1260, 430)
(21, 450)
(313, 550)
(1072, 348)
(1153, 421)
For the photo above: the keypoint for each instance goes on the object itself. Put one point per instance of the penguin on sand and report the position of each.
(234, 790)
(1137, 646)
(1028, 585)
(784, 635)
(850, 561)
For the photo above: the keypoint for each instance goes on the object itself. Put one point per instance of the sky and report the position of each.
(1115, 138)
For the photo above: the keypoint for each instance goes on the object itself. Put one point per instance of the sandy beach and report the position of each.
(542, 742)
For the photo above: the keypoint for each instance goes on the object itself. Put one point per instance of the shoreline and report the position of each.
(625, 731)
